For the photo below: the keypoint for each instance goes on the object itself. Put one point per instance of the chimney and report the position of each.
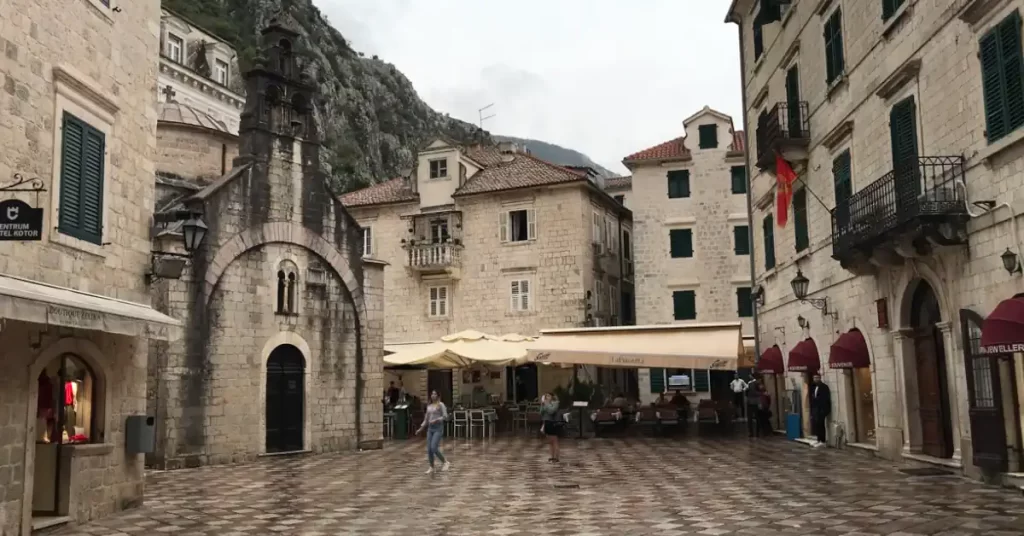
(508, 151)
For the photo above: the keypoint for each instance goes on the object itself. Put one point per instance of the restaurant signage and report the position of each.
(19, 221)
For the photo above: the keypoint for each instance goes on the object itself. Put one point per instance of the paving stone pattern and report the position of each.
(626, 487)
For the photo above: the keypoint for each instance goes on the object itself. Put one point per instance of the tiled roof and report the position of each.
(615, 183)
(396, 190)
(739, 142)
(670, 150)
(183, 114)
(523, 171)
(484, 155)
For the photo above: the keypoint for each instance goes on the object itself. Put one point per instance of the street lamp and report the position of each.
(759, 296)
(800, 284)
(193, 231)
(169, 264)
(1010, 262)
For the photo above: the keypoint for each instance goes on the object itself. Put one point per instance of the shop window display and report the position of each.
(66, 402)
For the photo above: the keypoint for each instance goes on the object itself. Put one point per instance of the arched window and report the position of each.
(287, 288)
(67, 407)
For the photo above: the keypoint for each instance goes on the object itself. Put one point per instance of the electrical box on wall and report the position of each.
(140, 434)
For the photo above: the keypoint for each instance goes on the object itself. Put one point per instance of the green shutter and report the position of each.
(803, 239)
(741, 240)
(681, 242)
(769, 243)
(739, 180)
(833, 34)
(843, 188)
(758, 41)
(744, 302)
(701, 380)
(684, 304)
(1001, 73)
(1010, 44)
(993, 89)
(708, 135)
(903, 135)
(81, 181)
(678, 183)
(657, 380)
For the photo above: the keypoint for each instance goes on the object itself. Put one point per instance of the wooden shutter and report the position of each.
(744, 302)
(843, 188)
(739, 180)
(769, 243)
(524, 294)
(531, 224)
(681, 242)
(758, 41)
(903, 134)
(685, 183)
(81, 190)
(684, 304)
(503, 218)
(833, 34)
(1010, 54)
(657, 380)
(992, 85)
(514, 296)
(708, 135)
(701, 380)
(800, 215)
(741, 240)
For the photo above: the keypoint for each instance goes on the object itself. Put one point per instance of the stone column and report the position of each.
(371, 417)
(906, 383)
(956, 386)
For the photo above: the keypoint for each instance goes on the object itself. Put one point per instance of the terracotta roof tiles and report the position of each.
(523, 171)
(615, 183)
(670, 150)
(396, 190)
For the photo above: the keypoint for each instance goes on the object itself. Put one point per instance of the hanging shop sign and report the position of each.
(19, 220)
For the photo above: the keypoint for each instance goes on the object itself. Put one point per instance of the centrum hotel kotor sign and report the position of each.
(18, 220)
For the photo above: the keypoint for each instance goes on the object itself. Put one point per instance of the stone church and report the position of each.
(283, 319)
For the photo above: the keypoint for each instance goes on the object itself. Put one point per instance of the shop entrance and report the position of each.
(985, 397)
(64, 416)
(285, 414)
(440, 381)
(522, 382)
(930, 358)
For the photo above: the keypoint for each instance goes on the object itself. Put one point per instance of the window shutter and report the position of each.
(739, 180)
(92, 186)
(684, 304)
(1010, 41)
(744, 302)
(758, 41)
(503, 225)
(701, 380)
(681, 243)
(803, 239)
(992, 83)
(657, 380)
(769, 243)
(531, 224)
(514, 296)
(81, 191)
(837, 41)
(442, 302)
(524, 294)
(741, 239)
(685, 183)
(903, 134)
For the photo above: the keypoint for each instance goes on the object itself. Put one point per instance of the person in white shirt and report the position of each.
(738, 388)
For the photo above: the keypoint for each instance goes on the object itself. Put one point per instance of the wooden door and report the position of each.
(984, 398)
(930, 392)
(285, 399)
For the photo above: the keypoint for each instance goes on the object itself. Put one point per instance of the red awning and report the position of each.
(849, 351)
(771, 361)
(1003, 330)
(804, 357)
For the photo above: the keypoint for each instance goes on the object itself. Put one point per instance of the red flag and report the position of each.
(784, 178)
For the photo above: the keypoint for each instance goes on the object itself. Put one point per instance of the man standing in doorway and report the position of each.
(738, 388)
(821, 408)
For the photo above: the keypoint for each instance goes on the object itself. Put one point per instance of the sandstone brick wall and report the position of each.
(950, 121)
(194, 153)
(103, 479)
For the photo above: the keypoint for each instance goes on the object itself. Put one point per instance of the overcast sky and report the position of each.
(603, 77)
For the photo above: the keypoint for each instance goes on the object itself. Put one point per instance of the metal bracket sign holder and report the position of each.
(18, 220)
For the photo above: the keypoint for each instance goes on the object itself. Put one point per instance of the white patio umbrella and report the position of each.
(461, 350)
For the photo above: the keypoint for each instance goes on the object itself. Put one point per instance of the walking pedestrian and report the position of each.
(551, 423)
(738, 388)
(821, 408)
(764, 413)
(433, 422)
(753, 397)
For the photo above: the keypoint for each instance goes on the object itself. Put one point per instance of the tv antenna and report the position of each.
(481, 113)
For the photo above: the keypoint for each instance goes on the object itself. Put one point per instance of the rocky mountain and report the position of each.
(370, 116)
(556, 154)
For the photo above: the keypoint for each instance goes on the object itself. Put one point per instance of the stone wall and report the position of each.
(119, 70)
(950, 121)
(194, 153)
(103, 479)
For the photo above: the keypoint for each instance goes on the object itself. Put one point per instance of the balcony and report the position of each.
(904, 214)
(434, 258)
(785, 129)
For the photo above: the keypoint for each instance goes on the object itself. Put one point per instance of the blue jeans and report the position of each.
(434, 435)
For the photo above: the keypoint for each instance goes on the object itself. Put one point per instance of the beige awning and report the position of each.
(699, 346)
(41, 303)
(464, 349)
(749, 356)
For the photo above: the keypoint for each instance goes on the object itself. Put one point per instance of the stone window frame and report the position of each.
(80, 96)
(286, 296)
(436, 302)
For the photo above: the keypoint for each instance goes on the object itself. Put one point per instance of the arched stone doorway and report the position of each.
(285, 401)
(934, 406)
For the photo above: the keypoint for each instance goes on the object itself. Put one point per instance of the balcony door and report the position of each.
(793, 102)
(439, 231)
(903, 135)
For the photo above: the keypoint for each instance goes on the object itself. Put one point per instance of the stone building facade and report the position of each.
(894, 117)
(691, 236)
(79, 128)
(283, 318)
(199, 70)
(496, 240)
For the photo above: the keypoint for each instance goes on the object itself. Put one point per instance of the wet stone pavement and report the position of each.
(629, 487)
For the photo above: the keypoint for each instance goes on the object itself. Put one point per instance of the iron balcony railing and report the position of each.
(434, 255)
(922, 188)
(784, 122)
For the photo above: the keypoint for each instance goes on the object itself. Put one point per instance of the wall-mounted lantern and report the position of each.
(170, 265)
(800, 284)
(1011, 262)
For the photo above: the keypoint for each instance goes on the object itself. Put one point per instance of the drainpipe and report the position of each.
(750, 200)
(622, 268)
